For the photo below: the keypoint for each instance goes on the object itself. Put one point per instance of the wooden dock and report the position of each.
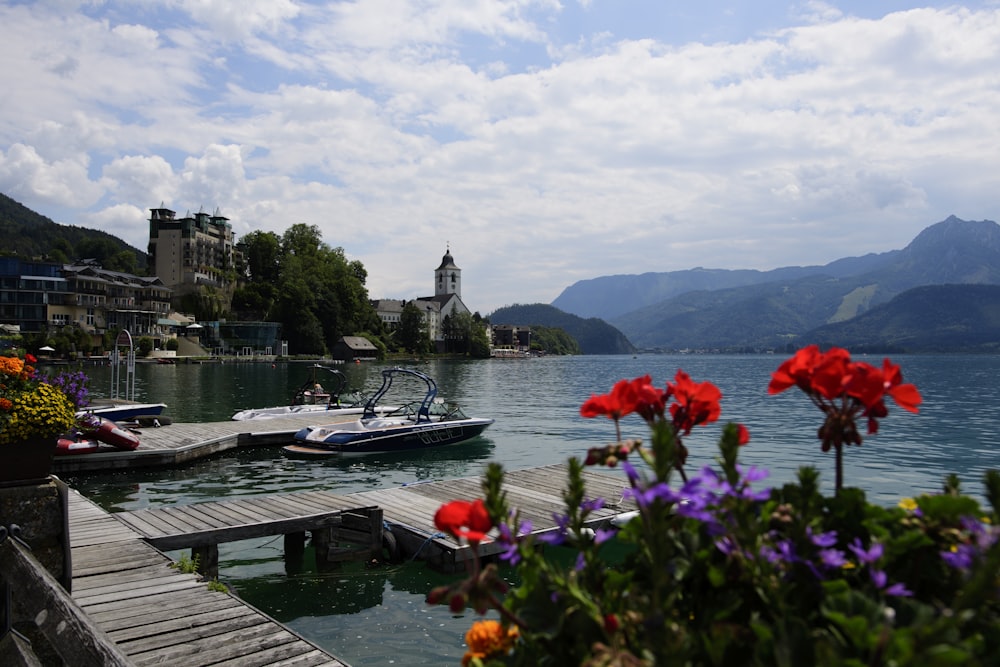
(406, 511)
(181, 443)
(156, 615)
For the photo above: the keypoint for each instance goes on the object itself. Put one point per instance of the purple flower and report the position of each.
(604, 534)
(588, 506)
(898, 590)
(827, 539)
(631, 473)
(880, 579)
(868, 556)
(511, 554)
(960, 559)
(559, 534)
(832, 558)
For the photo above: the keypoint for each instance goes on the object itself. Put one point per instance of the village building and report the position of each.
(446, 302)
(38, 296)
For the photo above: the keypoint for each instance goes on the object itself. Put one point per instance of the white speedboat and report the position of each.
(413, 426)
(312, 396)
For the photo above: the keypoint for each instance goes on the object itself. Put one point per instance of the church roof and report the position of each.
(447, 262)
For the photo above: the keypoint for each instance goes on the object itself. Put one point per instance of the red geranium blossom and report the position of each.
(845, 391)
(461, 518)
(696, 402)
(621, 401)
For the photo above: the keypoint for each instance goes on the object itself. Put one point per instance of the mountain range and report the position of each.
(865, 300)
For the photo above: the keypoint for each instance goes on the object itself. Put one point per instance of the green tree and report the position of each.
(412, 332)
(145, 346)
(313, 290)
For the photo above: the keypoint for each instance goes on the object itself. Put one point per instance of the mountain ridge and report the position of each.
(782, 305)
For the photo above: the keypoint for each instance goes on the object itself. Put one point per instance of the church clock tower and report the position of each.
(448, 277)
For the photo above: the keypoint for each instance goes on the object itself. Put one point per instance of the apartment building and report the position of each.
(192, 251)
(39, 296)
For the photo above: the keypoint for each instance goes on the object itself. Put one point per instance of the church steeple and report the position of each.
(448, 277)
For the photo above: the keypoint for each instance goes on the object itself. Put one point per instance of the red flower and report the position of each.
(461, 518)
(619, 402)
(30, 358)
(742, 434)
(844, 390)
(796, 371)
(611, 623)
(906, 396)
(696, 402)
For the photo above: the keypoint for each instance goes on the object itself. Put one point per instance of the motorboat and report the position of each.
(312, 396)
(430, 422)
(122, 410)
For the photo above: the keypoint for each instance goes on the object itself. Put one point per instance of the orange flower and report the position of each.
(488, 639)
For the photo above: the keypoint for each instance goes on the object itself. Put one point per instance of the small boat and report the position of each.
(106, 431)
(116, 410)
(419, 425)
(509, 353)
(75, 443)
(313, 397)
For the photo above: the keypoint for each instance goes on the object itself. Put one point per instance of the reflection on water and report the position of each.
(379, 617)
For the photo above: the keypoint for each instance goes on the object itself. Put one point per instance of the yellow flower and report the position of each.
(908, 504)
(487, 639)
(30, 407)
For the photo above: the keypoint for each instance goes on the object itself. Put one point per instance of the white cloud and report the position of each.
(26, 176)
(546, 142)
(127, 222)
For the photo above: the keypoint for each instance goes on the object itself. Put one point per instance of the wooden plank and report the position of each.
(294, 653)
(165, 599)
(146, 522)
(138, 592)
(74, 636)
(209, 648)
(168, 608)
(222, 515)
(82, 569)
(192, 516)
(269, 508)
(247, 512)
(160, 624)
(313, 658)
(146, 573)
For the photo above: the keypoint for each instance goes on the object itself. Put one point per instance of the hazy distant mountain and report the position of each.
(594, 336)
(610, 296)
(796, 300)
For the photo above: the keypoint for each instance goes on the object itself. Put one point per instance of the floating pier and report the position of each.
(181, 443)
(156, 615)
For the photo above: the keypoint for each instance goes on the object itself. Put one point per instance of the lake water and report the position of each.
(378, 617)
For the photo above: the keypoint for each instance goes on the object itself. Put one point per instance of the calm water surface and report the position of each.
(378, 617)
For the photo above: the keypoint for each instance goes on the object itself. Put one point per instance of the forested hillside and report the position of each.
(30, 235)
(934, 318)
(594, 336)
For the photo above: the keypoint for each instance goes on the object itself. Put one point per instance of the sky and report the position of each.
(542, 141)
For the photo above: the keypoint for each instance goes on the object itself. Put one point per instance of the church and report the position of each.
(446, 302)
